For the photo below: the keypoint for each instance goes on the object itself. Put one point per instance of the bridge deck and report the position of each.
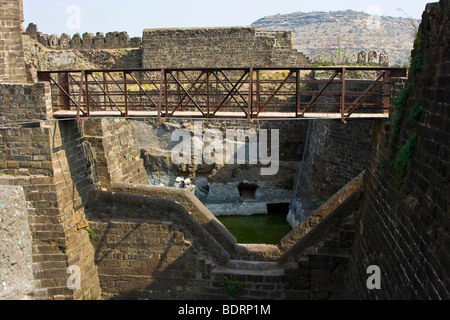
(226, 93)
(67, 114)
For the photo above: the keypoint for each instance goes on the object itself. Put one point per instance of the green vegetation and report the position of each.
(383, 162)
(232, 288)
(399, 110)
(91, 233)
(416, 66)
(407, 152)
(414, 114)
(418, 39)
(319, 202)
(400, 103)
(86, 295)
(403, 161)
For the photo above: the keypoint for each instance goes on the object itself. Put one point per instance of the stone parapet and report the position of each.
(112, 40)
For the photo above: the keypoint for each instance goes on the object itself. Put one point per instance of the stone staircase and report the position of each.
(262, 280)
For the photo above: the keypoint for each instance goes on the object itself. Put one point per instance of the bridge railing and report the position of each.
(249, 93)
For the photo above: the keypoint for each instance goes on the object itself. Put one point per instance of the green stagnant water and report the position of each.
(257, 229)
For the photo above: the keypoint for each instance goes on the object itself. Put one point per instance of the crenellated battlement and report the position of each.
(112, 40)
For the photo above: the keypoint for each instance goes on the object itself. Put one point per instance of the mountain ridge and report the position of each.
(320, 34)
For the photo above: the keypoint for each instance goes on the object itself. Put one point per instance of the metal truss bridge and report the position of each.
(223, 93)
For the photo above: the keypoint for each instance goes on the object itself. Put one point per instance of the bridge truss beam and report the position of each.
(223, 93)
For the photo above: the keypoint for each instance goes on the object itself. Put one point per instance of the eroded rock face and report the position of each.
(296, 213)
(219, 186)
(228, 199)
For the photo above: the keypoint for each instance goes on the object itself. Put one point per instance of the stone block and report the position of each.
(17, 279)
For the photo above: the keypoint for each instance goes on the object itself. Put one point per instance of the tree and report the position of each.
(336, 51)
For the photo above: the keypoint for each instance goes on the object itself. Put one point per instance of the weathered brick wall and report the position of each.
(150, 248)
(336, 154)
(26, 150)
(316, 254)
(163, 48)
(218, 47)
(151, 273)
(403, 225)
(12, 62)
(154, 249)
(112, 40)
(189, 202)
(115, 151)
(47, 160)
(39, 58)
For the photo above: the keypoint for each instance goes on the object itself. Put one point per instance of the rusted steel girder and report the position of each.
(223, 93)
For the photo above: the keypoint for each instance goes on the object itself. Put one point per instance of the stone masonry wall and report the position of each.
(47, 159)
(219, 47)
(316, 254)
(116, 155)
(151, 248)
(189, 202)
(40, 58)
(112, 40)
(163, 48)
(12, 62)
(404, 216)
(336, 154)
(58, 167)
(16, 271)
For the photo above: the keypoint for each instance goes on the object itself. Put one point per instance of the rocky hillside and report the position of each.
(320, 34)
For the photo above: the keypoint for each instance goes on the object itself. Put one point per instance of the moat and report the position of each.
(259, 228)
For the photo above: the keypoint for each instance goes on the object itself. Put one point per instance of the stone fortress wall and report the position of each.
(61, 164)
(112, 40)
(219, 47)
(144, 235)
(11, 50)
(174, 48)
(273, 46)
(156, 243)
(403, 220)
(47, 160)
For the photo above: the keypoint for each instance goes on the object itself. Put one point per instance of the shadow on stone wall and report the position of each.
(151, 248)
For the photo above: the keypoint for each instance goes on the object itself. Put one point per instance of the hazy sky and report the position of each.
(72, 16)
